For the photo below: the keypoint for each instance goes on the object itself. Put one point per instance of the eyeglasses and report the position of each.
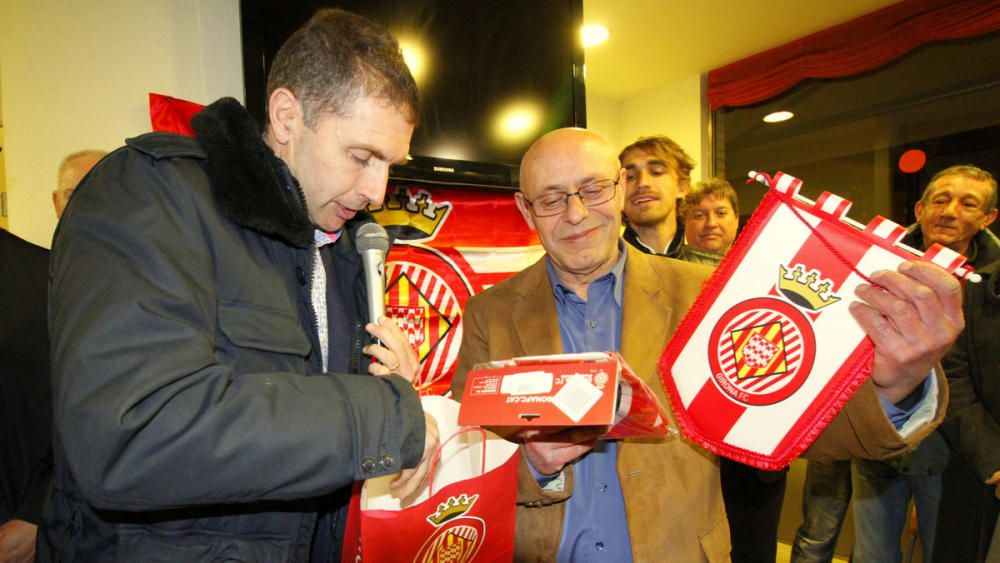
(591, 195)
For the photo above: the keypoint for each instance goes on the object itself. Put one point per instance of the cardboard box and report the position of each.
(590, 389)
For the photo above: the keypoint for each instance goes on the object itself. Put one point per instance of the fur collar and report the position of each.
(250, 183)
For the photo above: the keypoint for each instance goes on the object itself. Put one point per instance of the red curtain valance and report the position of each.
(857, 46)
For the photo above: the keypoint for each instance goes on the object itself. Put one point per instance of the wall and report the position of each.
(76, 74)
(675, 110)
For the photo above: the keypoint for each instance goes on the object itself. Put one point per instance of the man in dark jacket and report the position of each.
(25, 396)
(970, 493)
(208, 326)
(25, 391)
(955, 211)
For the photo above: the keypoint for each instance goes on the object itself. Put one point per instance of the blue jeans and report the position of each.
(825, 498)
(882, 493)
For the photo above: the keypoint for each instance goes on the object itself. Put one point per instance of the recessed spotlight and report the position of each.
(593, 34)
(778, 116)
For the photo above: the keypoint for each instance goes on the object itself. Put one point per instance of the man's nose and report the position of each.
(575, 210)
(373, 184)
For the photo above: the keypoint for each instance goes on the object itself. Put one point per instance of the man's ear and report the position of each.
(524, 207)
(283, 111)
(990, 217)
(682, 187)
(918, 209)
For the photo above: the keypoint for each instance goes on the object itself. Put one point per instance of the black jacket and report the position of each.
(969, 508)
(192, 420)
(25, 393)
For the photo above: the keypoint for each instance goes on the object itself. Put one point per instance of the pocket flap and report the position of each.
(262, 328)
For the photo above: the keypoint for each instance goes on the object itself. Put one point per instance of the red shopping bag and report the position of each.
(464, 514)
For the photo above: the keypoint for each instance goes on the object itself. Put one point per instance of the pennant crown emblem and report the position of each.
(806, 290)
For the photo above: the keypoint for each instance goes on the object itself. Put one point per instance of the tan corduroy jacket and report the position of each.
(673, 500)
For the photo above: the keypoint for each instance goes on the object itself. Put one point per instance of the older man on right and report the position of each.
(955, 210)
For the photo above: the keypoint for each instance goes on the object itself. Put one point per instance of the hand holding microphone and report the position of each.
(391, 347)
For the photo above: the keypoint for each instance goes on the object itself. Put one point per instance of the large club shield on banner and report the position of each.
(449, 244)
(769, 353)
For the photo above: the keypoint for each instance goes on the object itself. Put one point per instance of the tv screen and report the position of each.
(493, 76)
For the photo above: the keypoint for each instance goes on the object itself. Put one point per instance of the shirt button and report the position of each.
(603, 487)
(368, 464)
(301, 275)
(593, 324)
(386, 461)
(599, 546)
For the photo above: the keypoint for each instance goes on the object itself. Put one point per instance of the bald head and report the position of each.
(562, 147)
(72, 169)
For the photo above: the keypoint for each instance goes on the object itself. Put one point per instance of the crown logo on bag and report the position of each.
(451, 508)
(806, 290)
(411, 216)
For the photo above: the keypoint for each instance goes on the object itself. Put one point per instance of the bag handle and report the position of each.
(437, 453)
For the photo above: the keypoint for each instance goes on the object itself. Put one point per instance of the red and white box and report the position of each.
(589, 389)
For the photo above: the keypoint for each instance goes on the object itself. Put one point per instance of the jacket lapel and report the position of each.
(534, 313)
(648, 314)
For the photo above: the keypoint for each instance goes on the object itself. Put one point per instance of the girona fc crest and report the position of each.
(411, 319)
(762, 351)
(458, 536)
(449, 243)
(423, 302)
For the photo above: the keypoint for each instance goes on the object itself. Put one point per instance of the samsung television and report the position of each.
(493, 76)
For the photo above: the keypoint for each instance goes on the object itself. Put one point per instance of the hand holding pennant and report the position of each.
(777, 343)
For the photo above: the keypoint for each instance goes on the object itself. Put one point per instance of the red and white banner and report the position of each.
(450, 243)
(769, 352)
(172, 115)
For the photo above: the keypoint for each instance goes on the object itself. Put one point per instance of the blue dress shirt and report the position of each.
(595, 527)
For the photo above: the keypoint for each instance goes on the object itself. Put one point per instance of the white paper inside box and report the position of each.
(559, 390)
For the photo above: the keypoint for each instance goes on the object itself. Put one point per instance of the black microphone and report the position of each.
(373, 244)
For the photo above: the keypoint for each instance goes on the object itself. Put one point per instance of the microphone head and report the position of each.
(371, 236)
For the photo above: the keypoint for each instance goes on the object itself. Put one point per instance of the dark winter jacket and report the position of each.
(969, 507)
(192, 420)
(25, 395)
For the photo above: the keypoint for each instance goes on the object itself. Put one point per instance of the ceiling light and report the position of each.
(778, 116)
(593, 34)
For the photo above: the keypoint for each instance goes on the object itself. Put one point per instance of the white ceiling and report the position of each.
(656, 42)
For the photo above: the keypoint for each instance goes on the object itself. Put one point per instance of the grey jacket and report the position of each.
(192, 420)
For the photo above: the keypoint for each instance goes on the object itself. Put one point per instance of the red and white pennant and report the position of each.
(769, 352)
